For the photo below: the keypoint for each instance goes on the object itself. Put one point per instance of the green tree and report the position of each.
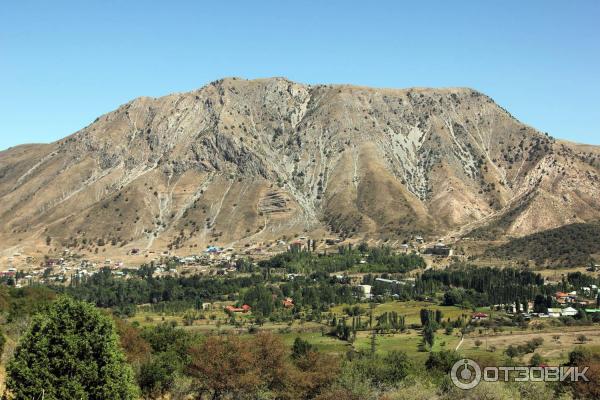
(425, 315)
(429, 335)
(512, 352)
(70, 352)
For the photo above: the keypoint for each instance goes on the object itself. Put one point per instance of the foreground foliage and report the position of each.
(70, 352)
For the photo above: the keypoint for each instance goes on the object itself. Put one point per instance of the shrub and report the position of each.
(70, 352)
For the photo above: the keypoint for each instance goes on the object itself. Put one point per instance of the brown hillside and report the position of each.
(242, 161)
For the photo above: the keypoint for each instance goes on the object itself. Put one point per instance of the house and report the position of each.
(568, 312)
(439, 249)
(554, 312)
(389, 281)
(288, 302)
(296, 246)
(562, 297)
(478, 316)
(243, 309)
(365, 291)
(212, 250)
(52, 262)
(188, 260)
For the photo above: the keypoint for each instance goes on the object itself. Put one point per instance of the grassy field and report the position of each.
(558, 342)
(407, 342)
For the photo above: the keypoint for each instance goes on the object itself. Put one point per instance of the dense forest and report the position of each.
(567, 246)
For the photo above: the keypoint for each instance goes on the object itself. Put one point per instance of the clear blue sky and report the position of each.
(63, 63)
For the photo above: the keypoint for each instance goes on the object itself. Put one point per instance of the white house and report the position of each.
(554, 312)
(365, 291)
(567, 312)
(389, 281)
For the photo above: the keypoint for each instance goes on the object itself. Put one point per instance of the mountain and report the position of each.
(238, 162)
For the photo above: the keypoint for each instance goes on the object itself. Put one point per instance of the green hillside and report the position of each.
(570, 246)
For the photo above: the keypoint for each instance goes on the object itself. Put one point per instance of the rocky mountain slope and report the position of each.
(242, 161)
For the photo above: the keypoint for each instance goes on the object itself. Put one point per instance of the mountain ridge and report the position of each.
(237, 162)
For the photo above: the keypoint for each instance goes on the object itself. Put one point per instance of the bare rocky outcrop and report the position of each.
(239, 161)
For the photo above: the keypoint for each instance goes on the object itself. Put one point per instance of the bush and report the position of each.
(301, 348)
(388, 370)
(70, 352)
(582, 338)
(158, 375)
(536, 360)
(442, 361)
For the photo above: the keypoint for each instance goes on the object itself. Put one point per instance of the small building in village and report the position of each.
(243, 309)
(568, 312)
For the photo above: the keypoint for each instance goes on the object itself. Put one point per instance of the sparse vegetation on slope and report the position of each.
(243, 162)
(567, 246)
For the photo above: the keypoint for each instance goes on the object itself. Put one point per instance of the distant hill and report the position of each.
(570, 246)
(241, 162)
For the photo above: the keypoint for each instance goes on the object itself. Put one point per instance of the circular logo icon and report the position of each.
(465, 374)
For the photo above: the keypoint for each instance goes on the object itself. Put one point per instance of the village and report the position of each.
(70, 268)
(68, 265)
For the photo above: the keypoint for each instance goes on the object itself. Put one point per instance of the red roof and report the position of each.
(480, 315)
(244, 308)
(288, 303)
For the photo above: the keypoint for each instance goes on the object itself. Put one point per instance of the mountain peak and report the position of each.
(242, 161)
